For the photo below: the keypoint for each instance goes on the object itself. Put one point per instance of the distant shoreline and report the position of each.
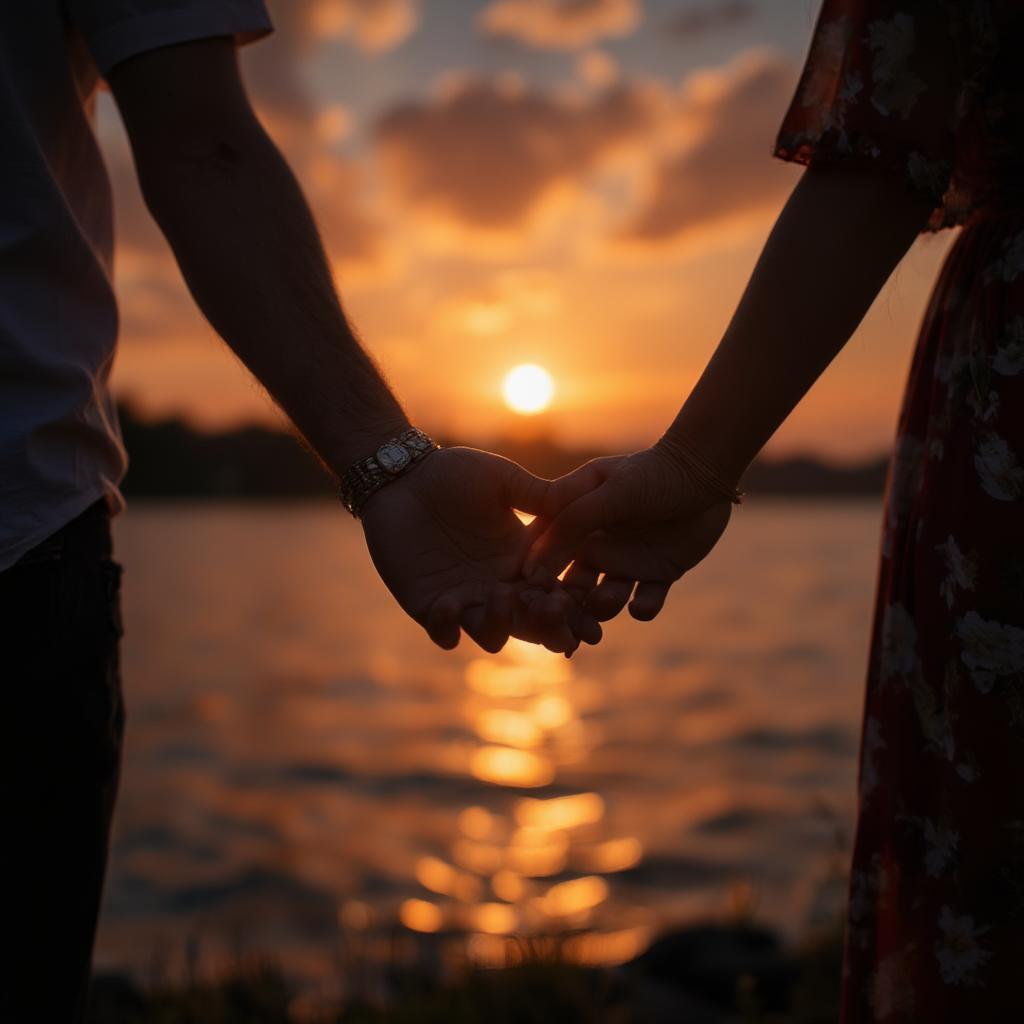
(172, 460)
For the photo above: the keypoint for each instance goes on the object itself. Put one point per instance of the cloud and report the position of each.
(560, 24)
(725, 169)
(273, 66)
(490, 155)
(698, 21)
(597, 68)
(373, 25)
(498, 159)
(512, 302)
(352, 235)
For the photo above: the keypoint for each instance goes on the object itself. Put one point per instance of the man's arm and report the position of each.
(443, 536)
(247, 245)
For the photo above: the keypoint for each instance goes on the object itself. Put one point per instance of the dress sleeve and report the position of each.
(886, 85)
(115, 30)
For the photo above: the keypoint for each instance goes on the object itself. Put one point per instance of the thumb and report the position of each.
(556, 547)
(522, 490)
(568, 489)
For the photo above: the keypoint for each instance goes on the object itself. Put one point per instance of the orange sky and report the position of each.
(582, 186)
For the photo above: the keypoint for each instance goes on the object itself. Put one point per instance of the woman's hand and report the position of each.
(641, 520)
(449, 547)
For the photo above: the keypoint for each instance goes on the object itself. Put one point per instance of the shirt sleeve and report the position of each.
(886, 84)
(115, 30)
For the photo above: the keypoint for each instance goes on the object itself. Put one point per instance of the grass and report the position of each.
(533, 992)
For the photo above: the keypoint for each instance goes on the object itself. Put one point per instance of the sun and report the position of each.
(528, 389)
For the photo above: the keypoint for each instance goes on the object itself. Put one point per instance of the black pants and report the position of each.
(61, 733)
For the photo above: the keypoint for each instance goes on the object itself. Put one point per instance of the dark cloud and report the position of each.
(560, 24)
(727, 169)
(699, 20)
(272, 67)
(487, 155)
(490, 157)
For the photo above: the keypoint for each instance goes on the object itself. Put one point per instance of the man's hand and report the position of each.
(449, 547)
(639, 519)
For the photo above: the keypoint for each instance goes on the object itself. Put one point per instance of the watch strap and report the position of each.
(388, 463)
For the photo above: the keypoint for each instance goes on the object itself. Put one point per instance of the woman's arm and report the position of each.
(836, 242)
(645, 518)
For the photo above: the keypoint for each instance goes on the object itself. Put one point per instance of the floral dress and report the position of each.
(933, 91)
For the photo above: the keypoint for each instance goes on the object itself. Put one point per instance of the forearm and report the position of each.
(834, 245)
(250, 253)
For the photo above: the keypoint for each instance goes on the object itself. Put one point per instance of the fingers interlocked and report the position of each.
(616, 532)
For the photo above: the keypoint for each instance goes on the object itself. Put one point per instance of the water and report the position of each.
(301, 760)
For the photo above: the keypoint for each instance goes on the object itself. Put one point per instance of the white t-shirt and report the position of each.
(60, 446)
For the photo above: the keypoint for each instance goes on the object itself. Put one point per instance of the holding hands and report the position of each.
(447, 542)
(445, 537)
(627, 527)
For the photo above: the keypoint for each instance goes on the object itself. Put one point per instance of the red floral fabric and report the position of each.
(934, 91)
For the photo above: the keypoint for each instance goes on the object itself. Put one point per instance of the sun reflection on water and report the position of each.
(483, 858)
(421, 916)
(561, 812)
(537, 853)
(566, 898)
(479, 823)
(494, 918)
(437, 876)
(528, 869)
(513, 728)
(510, 767)
(510, 886)
(610, 856)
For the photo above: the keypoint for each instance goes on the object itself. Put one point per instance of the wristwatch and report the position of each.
(388, 463)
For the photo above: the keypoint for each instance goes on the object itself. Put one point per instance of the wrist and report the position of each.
(392, 460)
(713, 482)
(723, 438)
(363, 442)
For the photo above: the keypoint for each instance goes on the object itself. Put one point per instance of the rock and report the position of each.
(734, 967)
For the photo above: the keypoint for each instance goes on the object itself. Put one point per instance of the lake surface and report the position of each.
(302, 763)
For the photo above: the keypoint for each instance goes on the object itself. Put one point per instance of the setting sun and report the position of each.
(528, 389)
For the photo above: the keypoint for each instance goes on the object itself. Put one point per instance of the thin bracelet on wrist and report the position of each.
(701, 469)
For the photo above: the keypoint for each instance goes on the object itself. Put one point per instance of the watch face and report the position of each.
(393, 458)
